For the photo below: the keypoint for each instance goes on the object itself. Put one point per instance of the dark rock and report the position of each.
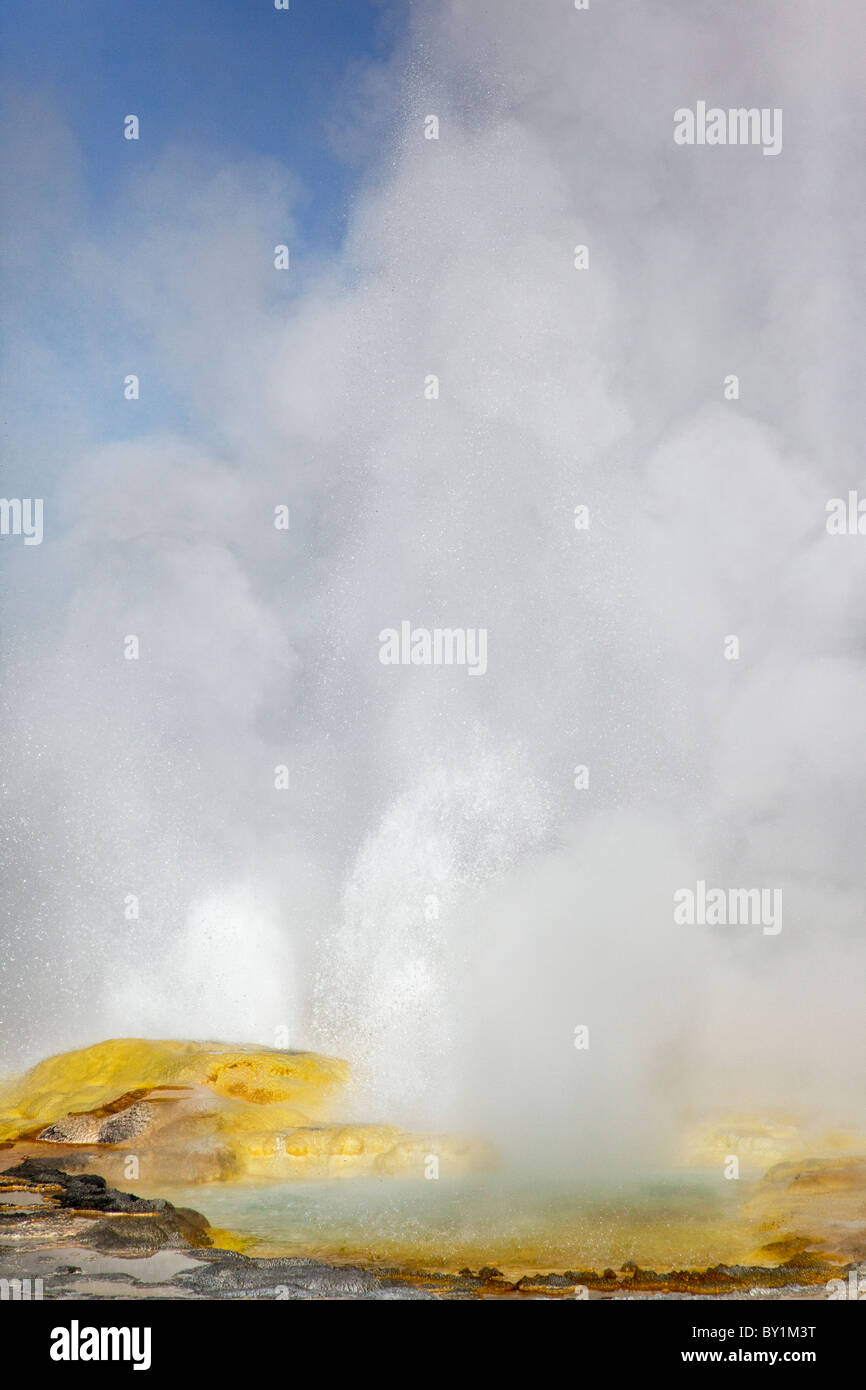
(548, 1281)
(82, 1191)
(157, 1224)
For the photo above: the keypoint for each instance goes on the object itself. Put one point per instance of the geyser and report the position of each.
(428, 893)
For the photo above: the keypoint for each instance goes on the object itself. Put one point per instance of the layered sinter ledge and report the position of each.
(204, 1112)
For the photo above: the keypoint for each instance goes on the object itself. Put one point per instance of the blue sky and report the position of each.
(217, 85)
(234, 75)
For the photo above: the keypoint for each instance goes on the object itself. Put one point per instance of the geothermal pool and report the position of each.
(503, 1220)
